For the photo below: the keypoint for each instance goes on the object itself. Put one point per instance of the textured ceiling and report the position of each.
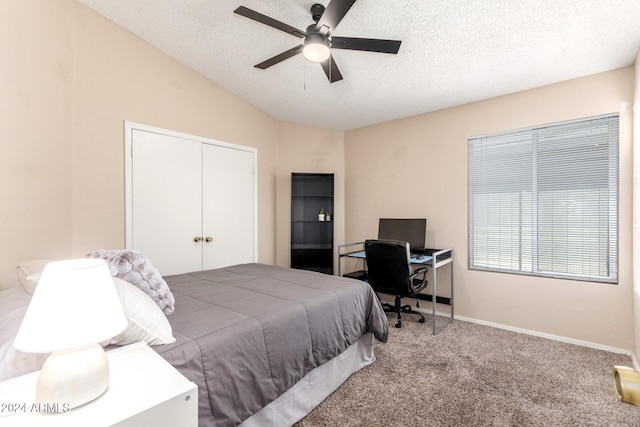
(453, 52)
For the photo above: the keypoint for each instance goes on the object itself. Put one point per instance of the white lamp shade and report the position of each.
(74, 304)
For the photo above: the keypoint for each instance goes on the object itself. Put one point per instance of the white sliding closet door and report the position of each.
(228, 185)
(167, 201)
(191, 201)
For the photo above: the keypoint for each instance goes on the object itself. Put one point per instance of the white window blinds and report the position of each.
(543, 201)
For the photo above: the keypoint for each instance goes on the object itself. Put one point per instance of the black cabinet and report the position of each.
(311, 235)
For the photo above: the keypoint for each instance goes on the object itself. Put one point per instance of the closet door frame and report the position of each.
(130, 127)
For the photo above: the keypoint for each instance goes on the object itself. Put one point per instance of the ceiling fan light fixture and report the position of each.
(318, 39)
(316, 48)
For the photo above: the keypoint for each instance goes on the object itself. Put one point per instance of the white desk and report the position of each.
(144, 390)
(433, 258)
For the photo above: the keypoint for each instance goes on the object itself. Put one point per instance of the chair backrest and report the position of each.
(388, 266)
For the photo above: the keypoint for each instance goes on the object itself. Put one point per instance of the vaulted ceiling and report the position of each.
(453, 52)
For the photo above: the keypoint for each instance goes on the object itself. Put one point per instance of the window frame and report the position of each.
(611, 252)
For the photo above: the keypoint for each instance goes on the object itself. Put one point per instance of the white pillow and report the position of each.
(29, 273)
(13, 306)
(146, 321)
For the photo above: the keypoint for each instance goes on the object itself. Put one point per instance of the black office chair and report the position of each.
(389, 271)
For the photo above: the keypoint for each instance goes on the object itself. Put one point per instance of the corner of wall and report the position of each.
(636, 214)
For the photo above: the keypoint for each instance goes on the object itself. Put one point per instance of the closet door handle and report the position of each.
(208, 239)
(197, 239)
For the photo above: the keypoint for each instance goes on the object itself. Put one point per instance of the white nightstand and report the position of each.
(144, 390)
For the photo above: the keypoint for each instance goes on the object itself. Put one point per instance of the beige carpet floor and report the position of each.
(474, 375)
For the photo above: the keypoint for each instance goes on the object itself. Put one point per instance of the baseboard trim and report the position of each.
(549, 336)
(535, 334)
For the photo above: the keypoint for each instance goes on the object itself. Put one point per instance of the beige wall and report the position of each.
(314, 150)
(36, 81)
(69, 81)
(417, 167)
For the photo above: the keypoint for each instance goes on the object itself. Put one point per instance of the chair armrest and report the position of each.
(423, 281)
(422, 270)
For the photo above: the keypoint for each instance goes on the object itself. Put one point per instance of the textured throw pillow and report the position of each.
(29, 273)
(146, 322)
(133, 267)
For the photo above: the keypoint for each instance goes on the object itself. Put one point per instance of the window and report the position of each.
(544, 201)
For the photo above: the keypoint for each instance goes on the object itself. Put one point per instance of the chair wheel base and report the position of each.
(421, 320)
(398, 325)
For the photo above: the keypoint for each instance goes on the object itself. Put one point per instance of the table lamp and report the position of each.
(74, 308)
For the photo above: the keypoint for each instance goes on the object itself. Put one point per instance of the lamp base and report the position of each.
(71, 378)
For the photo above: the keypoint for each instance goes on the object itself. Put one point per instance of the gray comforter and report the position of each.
(247, 333)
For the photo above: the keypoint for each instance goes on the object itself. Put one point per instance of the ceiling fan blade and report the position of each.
(331, 70)
(333, 14)
(264, 19)
(279, 58)
(370, 45)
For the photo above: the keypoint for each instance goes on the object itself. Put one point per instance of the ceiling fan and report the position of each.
(318, 38)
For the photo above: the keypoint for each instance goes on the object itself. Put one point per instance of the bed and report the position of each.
(248, 333)
(266, 344)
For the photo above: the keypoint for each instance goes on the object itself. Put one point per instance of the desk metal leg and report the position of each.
(434, 298)
(451, 288)
(434, 266)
